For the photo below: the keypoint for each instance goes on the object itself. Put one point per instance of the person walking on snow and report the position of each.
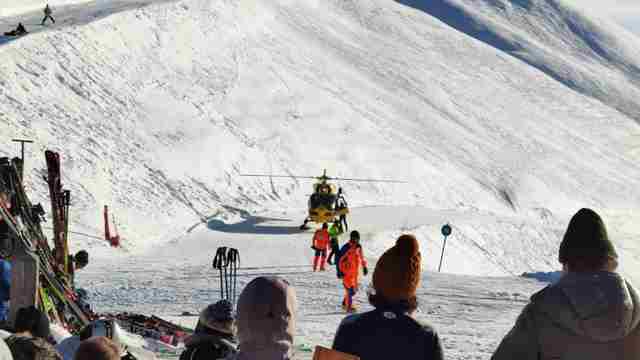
(350, 262)
(320, 245)
(334, 232)
(47, 15)
(590, 313)
(341, 203)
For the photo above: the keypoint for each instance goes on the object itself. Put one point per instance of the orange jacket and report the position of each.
(321, 239)
(351, 276)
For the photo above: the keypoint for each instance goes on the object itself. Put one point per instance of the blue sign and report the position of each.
(446, 230)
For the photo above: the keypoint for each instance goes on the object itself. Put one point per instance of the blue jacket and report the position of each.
(5, 287)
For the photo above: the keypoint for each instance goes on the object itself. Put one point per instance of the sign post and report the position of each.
(22, 142)
(446, 231)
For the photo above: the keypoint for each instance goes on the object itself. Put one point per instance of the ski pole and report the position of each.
(218, 264)
(234, 257)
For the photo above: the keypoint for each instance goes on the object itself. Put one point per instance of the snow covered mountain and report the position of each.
(507, 116)
(503, 116)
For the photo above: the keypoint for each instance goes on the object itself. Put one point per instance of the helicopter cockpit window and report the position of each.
(324, 200)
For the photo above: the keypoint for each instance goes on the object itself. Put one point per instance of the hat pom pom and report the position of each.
(407, 245)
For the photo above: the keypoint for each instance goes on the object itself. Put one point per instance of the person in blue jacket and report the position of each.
(5, 286)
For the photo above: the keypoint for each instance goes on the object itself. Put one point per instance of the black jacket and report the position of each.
(386, 334)
(210, 346)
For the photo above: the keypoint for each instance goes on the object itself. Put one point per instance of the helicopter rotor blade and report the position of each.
(280, 176)
(369, 180)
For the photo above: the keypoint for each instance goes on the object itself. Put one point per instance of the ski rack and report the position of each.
(55, 296)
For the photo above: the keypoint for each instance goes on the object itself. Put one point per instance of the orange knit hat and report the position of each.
(397, 273)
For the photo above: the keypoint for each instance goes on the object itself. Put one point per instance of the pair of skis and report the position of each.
(60, 200)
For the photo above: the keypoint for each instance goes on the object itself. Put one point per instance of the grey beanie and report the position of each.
(266, 319)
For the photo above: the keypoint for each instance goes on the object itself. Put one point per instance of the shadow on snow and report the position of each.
(251, 225)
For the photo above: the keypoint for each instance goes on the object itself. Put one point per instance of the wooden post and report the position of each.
(22, 142)
(24, 280)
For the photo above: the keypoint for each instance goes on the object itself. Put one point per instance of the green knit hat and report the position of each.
(585, 238)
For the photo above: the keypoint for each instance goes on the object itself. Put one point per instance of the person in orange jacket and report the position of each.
(351, 260)
(320, 245)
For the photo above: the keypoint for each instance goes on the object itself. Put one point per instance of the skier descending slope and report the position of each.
(350, 261)
(320, 245)
(47, 15)
(390, 331)
(591, 313)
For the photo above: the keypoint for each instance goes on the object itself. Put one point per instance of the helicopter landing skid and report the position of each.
(304, 225)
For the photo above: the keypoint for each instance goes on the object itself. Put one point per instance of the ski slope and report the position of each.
(159, 108)
(503, 129)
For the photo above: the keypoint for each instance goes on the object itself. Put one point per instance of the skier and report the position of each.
(592, 312)
(20, 30)
(350, 261)
(47, 15)
(214, 335)
(390, 331)
(341, 203)
(320, 245)
(334, 232)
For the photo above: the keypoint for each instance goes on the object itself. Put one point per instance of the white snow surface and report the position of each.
(504, 117)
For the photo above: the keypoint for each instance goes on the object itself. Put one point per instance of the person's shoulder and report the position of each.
(409, 322)
(425, 328)
(354, 320)
(39, 346)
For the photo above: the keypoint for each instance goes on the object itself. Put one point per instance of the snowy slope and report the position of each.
(589, 55)
(157, 110)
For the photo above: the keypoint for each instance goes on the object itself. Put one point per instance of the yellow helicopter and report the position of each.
(326, 204)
